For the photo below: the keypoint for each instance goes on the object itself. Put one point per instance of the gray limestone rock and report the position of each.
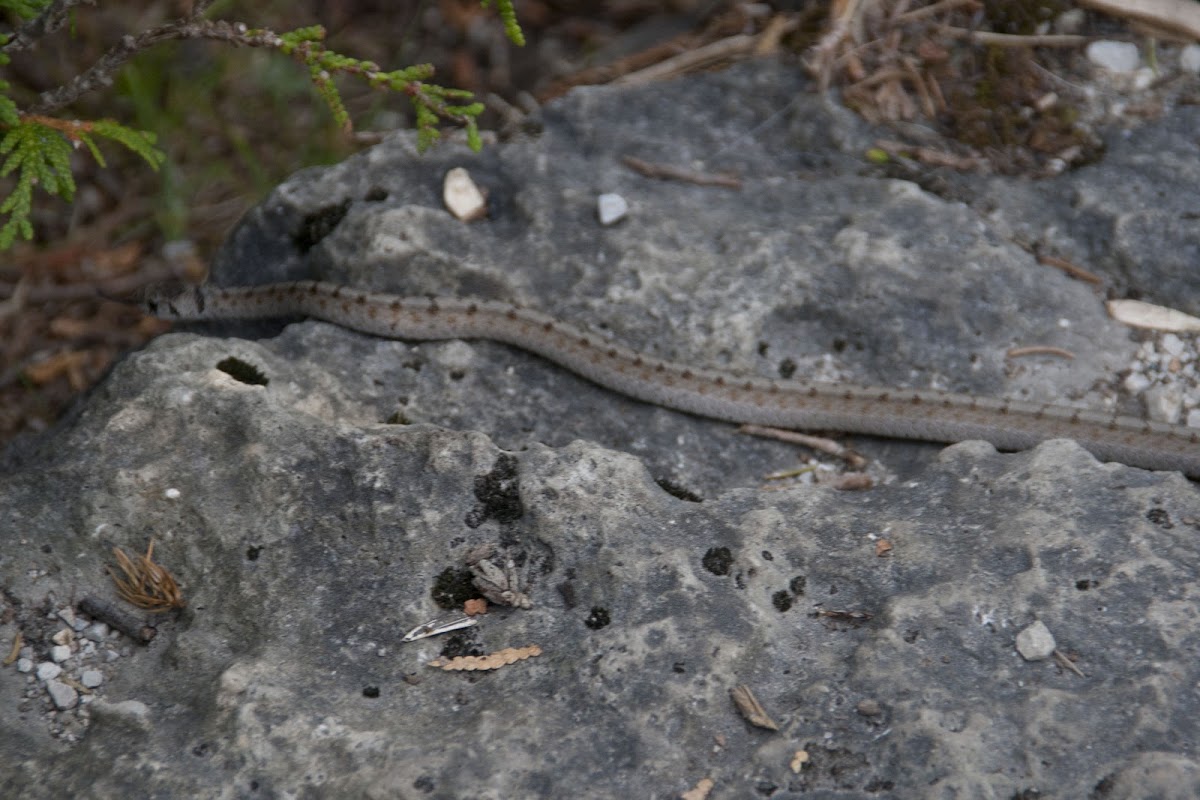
(315, 516)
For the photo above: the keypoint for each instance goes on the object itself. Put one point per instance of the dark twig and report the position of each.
(100, 74)
(111, 287)
(115, 618)
(50, 20)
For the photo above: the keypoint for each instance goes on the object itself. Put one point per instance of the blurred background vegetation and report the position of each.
(235, 121)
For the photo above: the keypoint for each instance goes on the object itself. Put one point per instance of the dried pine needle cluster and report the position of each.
(146, 584)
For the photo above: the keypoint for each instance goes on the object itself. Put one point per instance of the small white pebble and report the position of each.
(1070, 21)
(1136, 383)
(91, 678)
(1036, 643)
(462, 197)
(48, 671)
(1114, 56)
(96, 632)
(67, 615)
(1172, 344)
(1193, 418)
(24, 665)
(1143, 78)
(60, 652)
(1189, 58)
(611, 208)
(64, 696)
(63, 636)
(172, 493)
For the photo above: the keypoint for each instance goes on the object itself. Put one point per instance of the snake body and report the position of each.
(925, 415)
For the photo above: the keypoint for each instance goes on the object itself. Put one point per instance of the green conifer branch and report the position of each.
(508, 15)
(37, 148)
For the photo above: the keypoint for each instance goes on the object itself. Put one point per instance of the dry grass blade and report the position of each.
(146, 584)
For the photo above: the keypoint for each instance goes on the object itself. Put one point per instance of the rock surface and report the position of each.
(318, 506)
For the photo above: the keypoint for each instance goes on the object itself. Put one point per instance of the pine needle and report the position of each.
(146, 584)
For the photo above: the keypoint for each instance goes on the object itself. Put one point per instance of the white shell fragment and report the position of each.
(1147, 315)
(462, 197)
(1036, 643)
(435, 627)
(611, 208)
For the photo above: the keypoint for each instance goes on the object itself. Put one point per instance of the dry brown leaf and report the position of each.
(500, 658)
(751, 709)
(15, 652)
(883, 548)
(146, 584)
(700, 791)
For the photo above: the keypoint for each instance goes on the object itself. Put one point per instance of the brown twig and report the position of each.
(819, 443)
(1180, 16)
(741, 45)
(1039, 350)
(1071, 269)
(928, 155)
(933, 10)
(667, 172)
(1015, 40)
(124, 284)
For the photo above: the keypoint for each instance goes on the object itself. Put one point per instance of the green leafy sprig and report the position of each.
(39, 150)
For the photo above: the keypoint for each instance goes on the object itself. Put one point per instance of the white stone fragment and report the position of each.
(462, 197)
(1136, 383)
(24, 665)
(96, 632)
(1114, 56)
(1193, 418)
(63, 636)
(611, 208)
(48, 671)
(1140, 314)
(1070, 21)
(67, 615)
(1172, 345)
(91, 678)
(64, 696)
(1189, 58)
(1036, 643)
(60, 652)
(1164, 404)
(172, 494)
(1143, 78)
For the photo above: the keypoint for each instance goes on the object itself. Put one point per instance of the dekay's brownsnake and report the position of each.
(899, 413)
